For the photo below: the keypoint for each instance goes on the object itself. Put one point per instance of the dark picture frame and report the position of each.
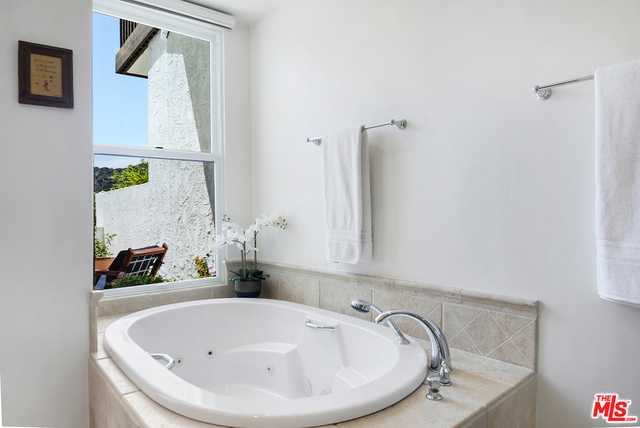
(45, 75)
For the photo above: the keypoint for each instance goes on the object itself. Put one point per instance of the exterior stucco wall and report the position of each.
(176, 206)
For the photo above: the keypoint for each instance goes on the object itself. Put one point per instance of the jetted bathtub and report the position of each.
(264, 363)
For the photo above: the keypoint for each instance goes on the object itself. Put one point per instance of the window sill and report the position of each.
(162, 286)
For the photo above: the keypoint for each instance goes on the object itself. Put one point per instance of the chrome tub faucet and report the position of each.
(364, 306)
(440, 354)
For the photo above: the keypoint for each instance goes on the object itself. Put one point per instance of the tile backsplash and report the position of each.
(499, 327)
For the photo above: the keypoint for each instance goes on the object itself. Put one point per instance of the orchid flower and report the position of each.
(246, 240)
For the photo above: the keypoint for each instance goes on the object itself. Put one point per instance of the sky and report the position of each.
(120, 103)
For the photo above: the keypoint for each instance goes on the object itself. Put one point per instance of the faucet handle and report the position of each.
(433, 382)
(445, 374)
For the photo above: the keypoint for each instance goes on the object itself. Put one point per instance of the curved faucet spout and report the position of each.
(439, 345)
(364, 306)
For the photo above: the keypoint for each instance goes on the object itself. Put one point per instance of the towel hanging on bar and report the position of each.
(401, 124)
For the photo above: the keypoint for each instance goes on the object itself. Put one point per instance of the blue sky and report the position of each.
(120, 103)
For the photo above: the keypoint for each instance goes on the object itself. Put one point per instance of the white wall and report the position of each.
(488, 188)
(237, 128)
(45, 227)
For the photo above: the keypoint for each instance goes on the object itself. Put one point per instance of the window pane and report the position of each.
(173, 205)
(150, 87)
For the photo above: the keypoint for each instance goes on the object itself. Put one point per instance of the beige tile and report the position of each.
(500, 303)
(517, 410)
(499, 371)
(337, 297)
(485, 333)
(104, 398)
(450, 325)
(479, 421)
(453, 409)
(463, 342)
(118, 414)
(414, 329)
(300, 289)
(525, 340)
(430, 308)
(510, 324)
(119, 380)
(98, 424)
(387, 299)
(508, 353)
(391, 417)
(134, 303)
(123, 304)
(101, 352)
(97, 392)
(271, 287)
(92, 418)
(104, 322)
(463, 314)
(179, 295)
(154, 415)
(475, 388)
(222, 291)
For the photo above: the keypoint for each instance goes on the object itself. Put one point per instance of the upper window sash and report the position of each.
(152, 153)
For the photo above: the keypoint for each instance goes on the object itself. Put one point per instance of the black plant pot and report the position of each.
(248, 288)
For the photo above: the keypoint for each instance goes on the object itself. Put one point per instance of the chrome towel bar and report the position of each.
(544, 92)
(401, 124)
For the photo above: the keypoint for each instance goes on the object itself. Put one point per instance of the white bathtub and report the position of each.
(254, 363)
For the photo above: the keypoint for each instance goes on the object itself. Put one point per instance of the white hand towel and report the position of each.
(618, 182)
(347, 196)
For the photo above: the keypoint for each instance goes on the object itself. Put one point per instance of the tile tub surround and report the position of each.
(495, 326)
(486, 393)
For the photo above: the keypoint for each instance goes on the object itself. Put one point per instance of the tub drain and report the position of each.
(210, 353)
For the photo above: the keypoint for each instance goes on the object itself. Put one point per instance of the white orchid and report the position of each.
(246, 241)
(278, 219)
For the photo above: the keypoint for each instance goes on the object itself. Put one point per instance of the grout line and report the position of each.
(505, 341)
(454, 318)
(474, 343)
(499, 326)
(521, 353)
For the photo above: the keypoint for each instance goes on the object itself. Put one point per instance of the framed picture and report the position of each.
(45, 75)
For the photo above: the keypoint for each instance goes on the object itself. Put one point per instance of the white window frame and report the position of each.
(199, 29)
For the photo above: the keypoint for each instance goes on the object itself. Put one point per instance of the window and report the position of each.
(157, 141)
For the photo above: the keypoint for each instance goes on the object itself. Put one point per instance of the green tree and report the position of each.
(132, 175)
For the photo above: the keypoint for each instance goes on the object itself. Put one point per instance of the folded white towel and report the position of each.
(618, 182)
(347, 196)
